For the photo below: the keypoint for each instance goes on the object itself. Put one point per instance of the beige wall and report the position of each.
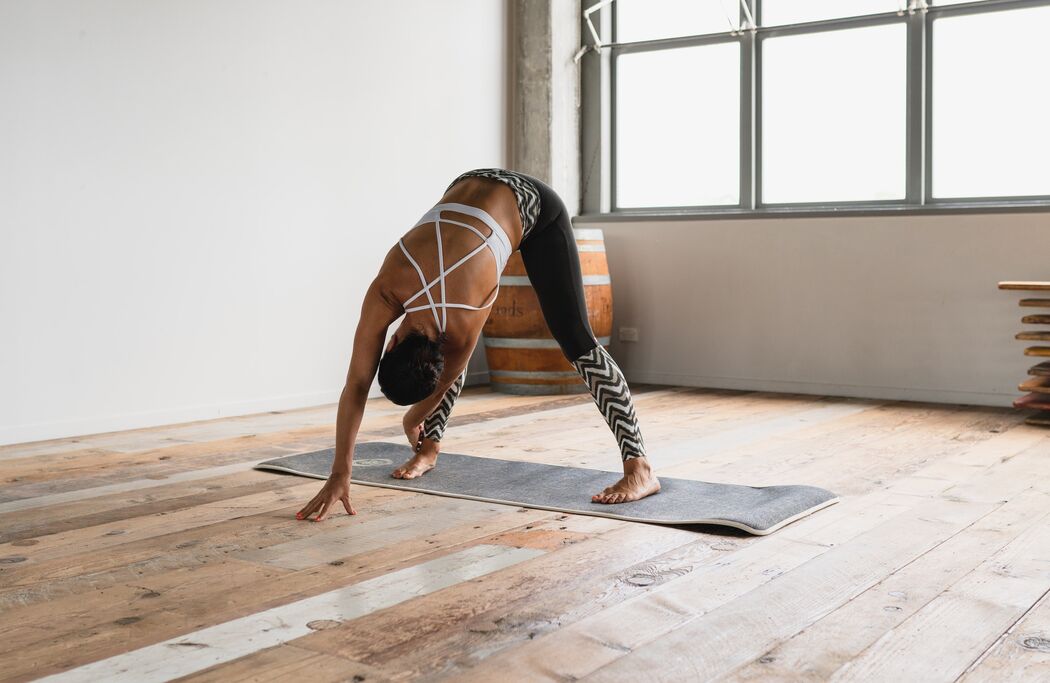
(888, 307)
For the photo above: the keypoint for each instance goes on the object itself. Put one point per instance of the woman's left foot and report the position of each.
(638, 482)
(421, 462)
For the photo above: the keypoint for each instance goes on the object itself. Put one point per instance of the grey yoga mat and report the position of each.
(757, 510)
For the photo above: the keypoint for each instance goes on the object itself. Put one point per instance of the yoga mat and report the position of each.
(757, 510)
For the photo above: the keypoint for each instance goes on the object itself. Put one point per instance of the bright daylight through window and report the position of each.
(718, 105)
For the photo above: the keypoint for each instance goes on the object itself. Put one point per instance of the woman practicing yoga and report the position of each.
(430, 277)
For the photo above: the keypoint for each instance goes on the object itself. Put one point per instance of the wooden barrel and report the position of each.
(522, 355)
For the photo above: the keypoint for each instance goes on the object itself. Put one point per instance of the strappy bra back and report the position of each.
(497, 242)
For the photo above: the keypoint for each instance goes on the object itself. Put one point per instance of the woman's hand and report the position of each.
(413, 432)
(336, 489)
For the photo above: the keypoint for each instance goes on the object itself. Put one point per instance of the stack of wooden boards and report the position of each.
(1037, 386)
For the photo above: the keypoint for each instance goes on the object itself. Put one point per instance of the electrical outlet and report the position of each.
(628, 334)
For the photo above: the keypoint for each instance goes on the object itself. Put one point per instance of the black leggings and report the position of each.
(552, 262)
(553, 265)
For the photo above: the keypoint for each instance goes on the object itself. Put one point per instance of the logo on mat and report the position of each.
(372, 462)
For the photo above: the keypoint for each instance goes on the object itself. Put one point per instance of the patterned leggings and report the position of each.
(607, 385)
(552, 262)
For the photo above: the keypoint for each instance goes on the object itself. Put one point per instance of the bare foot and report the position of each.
(637, 483)
(419, 464)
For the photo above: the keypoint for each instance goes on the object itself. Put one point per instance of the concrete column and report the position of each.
(545, 94)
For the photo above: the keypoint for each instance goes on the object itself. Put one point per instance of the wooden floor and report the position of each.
(157, 554)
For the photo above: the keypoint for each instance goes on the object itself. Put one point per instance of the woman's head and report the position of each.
(410, 368)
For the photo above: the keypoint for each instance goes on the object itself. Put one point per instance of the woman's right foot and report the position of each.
(419, 464)
(637, 483)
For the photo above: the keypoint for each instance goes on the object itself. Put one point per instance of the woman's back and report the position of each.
(468, 236)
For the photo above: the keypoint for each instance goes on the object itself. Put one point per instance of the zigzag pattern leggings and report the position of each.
(553, 266)
(434, 425)
(613, 397)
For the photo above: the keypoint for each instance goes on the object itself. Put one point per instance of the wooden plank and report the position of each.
(595, 646)
(862, 621)
(369, 534)
(113, 466)
(734, 629)
(1026, 285)
(1040, 419)
(981, 462)
(581, 648)
(1033, 335)
(573, 649)
(147, 608)
(551, 605)
(1021, 654)
(748, 418)
(1040, 319)
(195, 544)
(1040, 369)
(240, 637)
(864, 467)
(966, 620)
(727, 634)
(749, 433)
(30, 523)
(120, 532)
(1035, 303)
(684, 428)
(54, 492)
(202, 550)
(897, 439)
(1039, 385)
(1037, 351)
(86, 604)
(544, 437)
(1034, 401)
(288, 663)
(580, 569)
(153, 551)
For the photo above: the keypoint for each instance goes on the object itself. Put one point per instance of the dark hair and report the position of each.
(409, 372)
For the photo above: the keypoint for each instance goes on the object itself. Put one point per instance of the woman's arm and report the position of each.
(376, 316)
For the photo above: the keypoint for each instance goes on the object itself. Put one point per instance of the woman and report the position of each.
(440, 278)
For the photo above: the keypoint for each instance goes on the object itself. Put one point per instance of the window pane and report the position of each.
(653, 19)
(833, 122)
(776, 12)
(991, 104)
(678, 127)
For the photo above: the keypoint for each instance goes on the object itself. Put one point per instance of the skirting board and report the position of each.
(922, 395)
(42, 431)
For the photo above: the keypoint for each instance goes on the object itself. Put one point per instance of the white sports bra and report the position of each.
(497, 242)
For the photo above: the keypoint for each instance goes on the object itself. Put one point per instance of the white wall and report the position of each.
(887, 307)
(194, 194)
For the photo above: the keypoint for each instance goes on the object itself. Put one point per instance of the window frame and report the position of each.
(598, 119)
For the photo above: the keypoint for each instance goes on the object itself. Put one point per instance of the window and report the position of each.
(833, 130)
(781, 105)
(678, 127)
(990, 116)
